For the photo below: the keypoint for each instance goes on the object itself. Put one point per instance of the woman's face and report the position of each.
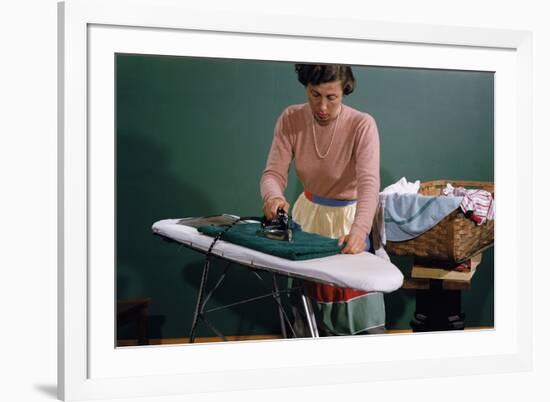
(325, 100)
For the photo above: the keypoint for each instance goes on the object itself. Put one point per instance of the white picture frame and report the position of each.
(89, 365)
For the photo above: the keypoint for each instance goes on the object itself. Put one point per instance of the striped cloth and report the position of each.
(339, 311)
(478, 204)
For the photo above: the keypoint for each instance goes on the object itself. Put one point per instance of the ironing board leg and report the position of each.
(310, 317)
(280, 306)
(198, 307)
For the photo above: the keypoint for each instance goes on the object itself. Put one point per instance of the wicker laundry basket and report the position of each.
(453, 240)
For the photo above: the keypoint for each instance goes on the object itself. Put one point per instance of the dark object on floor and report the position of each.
(438, 309)
(135, 310)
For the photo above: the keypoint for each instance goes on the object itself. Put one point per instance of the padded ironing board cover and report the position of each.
(363, 271)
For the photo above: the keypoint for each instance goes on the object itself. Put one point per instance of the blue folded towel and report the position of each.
(407, 216)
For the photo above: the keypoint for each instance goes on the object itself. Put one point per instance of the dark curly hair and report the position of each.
(316, 74)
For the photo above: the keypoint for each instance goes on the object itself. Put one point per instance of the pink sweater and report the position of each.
(350, 171)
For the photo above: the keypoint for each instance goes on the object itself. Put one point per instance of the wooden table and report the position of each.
(439, 300)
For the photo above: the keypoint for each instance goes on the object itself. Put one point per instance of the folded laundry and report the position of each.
(304, 246)
(477, 204)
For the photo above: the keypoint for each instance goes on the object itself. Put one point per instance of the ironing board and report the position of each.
(364, 271)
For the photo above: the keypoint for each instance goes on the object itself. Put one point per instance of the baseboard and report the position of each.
(176, 341)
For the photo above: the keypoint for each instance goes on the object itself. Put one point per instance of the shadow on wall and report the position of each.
(400, 304)
(149, 267)
(480, 309)
(239, 284)
(146, 192)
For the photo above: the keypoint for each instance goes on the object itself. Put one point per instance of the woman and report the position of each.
(335, 149)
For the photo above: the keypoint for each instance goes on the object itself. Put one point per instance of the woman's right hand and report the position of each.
(271, 206)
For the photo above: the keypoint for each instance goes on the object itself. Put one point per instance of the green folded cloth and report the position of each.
(304, 246)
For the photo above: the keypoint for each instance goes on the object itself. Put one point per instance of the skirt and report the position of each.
(339, 311)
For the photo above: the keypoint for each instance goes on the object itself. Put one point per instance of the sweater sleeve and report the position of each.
(275, 175)
(367, 166)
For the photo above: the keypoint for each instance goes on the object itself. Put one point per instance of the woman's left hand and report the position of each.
(354, 244)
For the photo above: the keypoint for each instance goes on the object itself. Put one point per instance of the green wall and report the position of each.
(192, 139)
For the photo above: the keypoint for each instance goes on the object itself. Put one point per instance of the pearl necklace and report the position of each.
(331, 136)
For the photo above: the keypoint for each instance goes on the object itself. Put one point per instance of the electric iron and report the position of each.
(279, 228)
